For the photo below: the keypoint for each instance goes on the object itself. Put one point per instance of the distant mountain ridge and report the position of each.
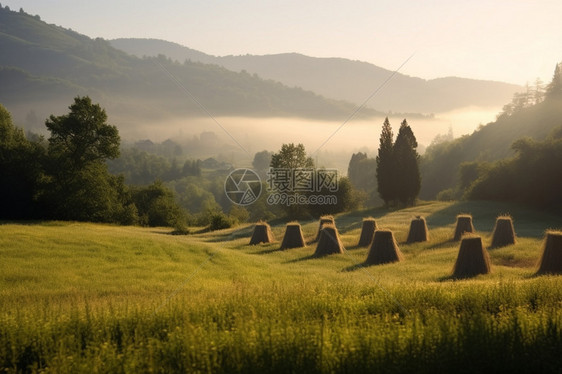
(43, 66)
(343, 79)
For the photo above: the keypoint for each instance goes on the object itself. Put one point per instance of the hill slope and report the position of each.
(43, 66)
(492, 142)
(343, 79)
(84, 298)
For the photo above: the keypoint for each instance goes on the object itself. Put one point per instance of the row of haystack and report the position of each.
(472, 260)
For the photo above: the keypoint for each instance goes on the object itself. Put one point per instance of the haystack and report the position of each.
(472, 259)
(293, 236)
(464, 225)
(418, 231)
(262, 234)
(551, 259)
(329, 241)
(384, 249)
(367, 232)
(323, 221)
(504, 234)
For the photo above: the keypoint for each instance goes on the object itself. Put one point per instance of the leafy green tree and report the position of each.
(83, 136)
(291, 157)
(385, 165)
(362, 171)
(407, 179)
(157, 206)
(532, 177)
(20, 171)
(362, 174)
(261, 162)
(77, 185)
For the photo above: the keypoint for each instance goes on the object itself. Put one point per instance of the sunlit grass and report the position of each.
(78, 297)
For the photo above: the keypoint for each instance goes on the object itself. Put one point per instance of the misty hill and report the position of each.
(343, 79)
(492, 142)
(43, 66)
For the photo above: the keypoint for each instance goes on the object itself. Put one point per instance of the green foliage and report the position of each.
(554, 89)
(362, 173)
(385, 162)
(20, 168)
(398, 175)
(157, 206)
(220, 221)
(88, 194)
(240, 213)
(406, 178)
(533, 176)
(83, 136)
(261, 162)
(76, 184)
(441, 162)
(291, 156)
(55, 62)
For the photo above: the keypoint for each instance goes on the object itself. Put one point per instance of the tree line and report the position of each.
(66, 177)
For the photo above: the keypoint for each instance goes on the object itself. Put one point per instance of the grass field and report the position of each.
(78, 297)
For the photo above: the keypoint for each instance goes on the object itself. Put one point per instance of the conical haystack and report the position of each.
(464, 225)
(504, 234)
(551, 259)
(473, 259)
(323, 221)
(293, 236)
(329, 241)
(367, 232)
(418, 231)
(384, 249)
(262, 234)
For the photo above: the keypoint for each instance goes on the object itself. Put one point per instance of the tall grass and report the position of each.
(93, 298)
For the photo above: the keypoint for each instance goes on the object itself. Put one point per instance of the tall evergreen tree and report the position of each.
(385, 185)
(407, 179)
(554, 89)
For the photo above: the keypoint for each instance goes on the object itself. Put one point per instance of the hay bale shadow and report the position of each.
(355, 267)
(301, 259)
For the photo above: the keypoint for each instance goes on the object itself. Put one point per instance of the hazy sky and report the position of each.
(508, 40)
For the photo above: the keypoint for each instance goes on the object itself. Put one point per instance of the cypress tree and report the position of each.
(554, 89)
(407, 179)
(385, 185)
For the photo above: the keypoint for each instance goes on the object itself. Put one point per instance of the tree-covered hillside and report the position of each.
(44, 66)
(343, 79)
(523, 117)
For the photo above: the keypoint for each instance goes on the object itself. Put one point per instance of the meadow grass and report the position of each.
(78, 297)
